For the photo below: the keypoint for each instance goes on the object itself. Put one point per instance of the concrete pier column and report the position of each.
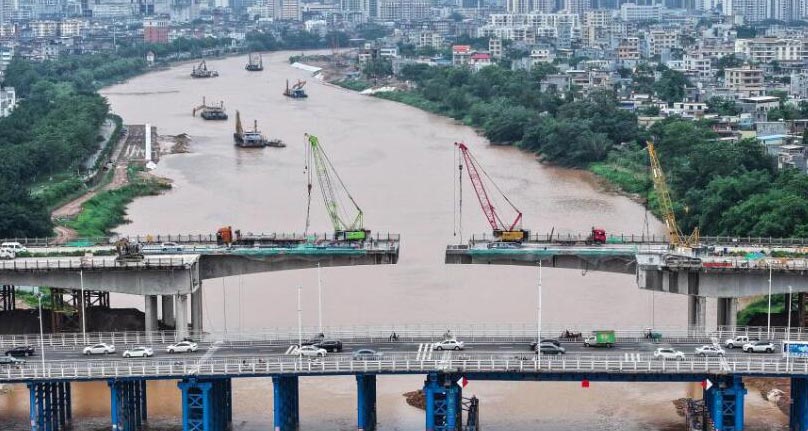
(366, 402)
(182, 315)
(798, 416)
(697, 313)
(168, 311)
(727, 312)
(151, 313)
(196, 310)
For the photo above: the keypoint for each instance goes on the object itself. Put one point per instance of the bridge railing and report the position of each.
(623, 238)
(473, 333)
(91, 263)
(254, 365)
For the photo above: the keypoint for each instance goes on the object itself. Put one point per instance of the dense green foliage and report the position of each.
(724, 188)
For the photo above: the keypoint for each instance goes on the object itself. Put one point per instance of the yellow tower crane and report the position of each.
(677, 239)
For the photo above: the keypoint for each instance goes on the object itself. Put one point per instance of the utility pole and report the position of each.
(299, 317)
(83, 318)
(769, 313)
(538, 310)
(319, 300)
(41, 331)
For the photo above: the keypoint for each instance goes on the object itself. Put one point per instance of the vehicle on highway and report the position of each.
(20, 351)
(99, 349)
(366, 355)
(452, 344)
(14, 246)
(667, 353)
(311, 352)
(10, 360)
(139, 352)
(314, 340)
(551, 349)
(759, 347)
(605, 338)
(7, 254)
(709, 350)
(738, 341)
(329, 345)
(552, 341)
(182, 347)
(171, 247)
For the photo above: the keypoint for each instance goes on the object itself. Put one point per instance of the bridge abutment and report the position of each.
(207, 404)
(127, 404)
(286, 403)
(50, 406)
(366, 402)
(724, 402)
(727, 312)
(444, 409)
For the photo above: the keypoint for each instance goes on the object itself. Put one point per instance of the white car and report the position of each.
(182, 347)
(709, 350)
(170, 247)
(738, 341)
(311, 352)
(99, 349)
(759, 347)
(139, 352)
(14, 246)
(669, 353)
(7, 253)
(449, 345)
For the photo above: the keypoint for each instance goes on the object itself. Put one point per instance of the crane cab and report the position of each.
(352, 235)
(512, 235)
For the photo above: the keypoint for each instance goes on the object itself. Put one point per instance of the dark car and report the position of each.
(330, 345)
(552, 341)
(314, 340)
(20, 351)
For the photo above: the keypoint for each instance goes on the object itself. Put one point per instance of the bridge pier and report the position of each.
(8, 297)
(50, 406)
(168, 311)
(196, 310)
(697, 314)
(366, 402)
(182, 315)
(207, 404)
(444, 409)
(724, 402)
(798, 417)
(728, 312)
(151, 323)
(286, 402)
(127, 404)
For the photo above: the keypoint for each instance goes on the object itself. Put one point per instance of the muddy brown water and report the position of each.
(399, 164)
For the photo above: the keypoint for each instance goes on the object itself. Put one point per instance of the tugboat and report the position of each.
(296, 91)
(253, 138)
(211, 112)
(253, 65)
(202, 71)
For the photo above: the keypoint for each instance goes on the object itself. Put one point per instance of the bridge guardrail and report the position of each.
(263, 365)
(477, 333)
(622, 238)
(90, 263)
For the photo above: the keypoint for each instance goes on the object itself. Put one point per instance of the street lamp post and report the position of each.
(788, 334)
(319, 300)
(83, 318)
(538, 309)
(41, 331)
(769, 314)
(299, 317)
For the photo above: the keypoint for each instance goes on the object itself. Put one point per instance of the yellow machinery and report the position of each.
(677, 239)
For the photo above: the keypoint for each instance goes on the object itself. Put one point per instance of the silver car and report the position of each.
(139, 352)
(709, 350)
(99, 349)
(311, 352)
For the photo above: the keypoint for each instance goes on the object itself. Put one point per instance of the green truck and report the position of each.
(603, 338)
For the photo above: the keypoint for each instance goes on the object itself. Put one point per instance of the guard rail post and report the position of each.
(286, 403)
(366, 402)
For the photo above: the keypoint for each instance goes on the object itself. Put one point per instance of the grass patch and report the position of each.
(412, 99)
(353, 84)
(761, 307)
(107, 210)
(59, 192)
(623, 177)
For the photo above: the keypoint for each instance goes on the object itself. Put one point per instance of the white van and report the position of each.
(15, 246)
(7, 253)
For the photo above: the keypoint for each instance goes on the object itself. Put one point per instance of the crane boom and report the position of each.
(502, 230)
(346, 226)
(675, 235)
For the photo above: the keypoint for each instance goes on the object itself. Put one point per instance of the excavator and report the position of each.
(296, 91)
(128, 251)
(505, 232)
(677, 239)
(347, 223)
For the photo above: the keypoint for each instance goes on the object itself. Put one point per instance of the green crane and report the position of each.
(348, 224)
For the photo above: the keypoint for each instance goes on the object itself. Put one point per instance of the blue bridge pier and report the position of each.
(127, 404)
(50, 405)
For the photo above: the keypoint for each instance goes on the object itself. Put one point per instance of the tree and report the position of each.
(721, 106)
(671, 86)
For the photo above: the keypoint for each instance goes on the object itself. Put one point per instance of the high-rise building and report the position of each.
(784, 10)
(287, 10)
(751, 10)
(578, 7)
(404, 9)
(155, 30)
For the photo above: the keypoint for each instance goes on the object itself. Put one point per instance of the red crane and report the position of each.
(511, 232)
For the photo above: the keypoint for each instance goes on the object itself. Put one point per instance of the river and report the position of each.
(399, 165)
